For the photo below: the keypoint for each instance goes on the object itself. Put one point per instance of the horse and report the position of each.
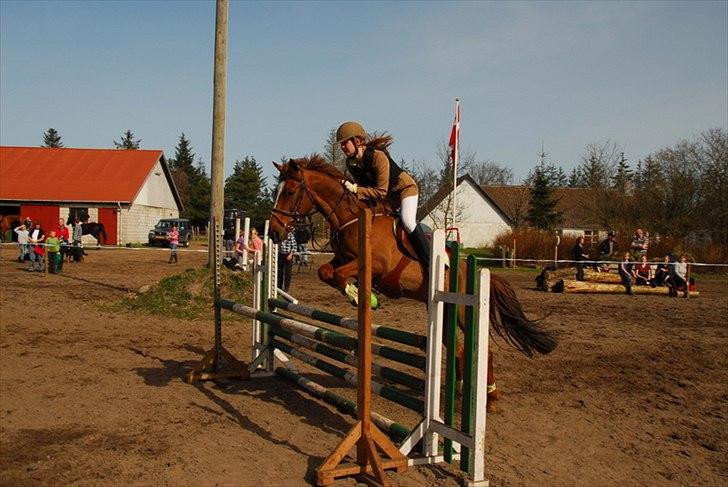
(309, 185)
(8, 222)
(96, 230)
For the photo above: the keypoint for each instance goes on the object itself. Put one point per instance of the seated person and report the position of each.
(679, 277)
(662, 273)
(643, 272)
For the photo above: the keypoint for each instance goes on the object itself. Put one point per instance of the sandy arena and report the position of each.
(634, 394)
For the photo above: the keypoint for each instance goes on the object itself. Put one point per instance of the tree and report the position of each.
(488, 173)
(127, 141)
(598, 164)
(543, 214)
(333, 153)
(192, 182)
(51, 138)
(622, 180)
(246, 189)
(554, 175)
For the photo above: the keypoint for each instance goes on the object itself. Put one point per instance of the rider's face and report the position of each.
(349, 148)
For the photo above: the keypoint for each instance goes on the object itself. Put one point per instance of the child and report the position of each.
(53, 250)
(173, 237)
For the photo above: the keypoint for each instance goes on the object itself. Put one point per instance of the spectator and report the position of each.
(255, 244)
(28, 223)
(229, 236)
(23, 239)
(662, 273)
(77, 232)
(302, 238)
(37, 236)
(53, 249)
(173, 237)
(64, 237)
(607, 249)
(640, 243)
(579, 256)
(643, 272)
(625, 272)
(285, 261)
(679, 277)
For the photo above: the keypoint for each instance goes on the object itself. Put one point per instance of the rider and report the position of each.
(377, 177)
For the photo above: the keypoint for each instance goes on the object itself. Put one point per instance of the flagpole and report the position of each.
(455, 157)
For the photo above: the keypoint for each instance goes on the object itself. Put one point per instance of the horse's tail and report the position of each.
(511, 324)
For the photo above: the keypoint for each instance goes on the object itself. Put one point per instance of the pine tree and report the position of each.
(573, 181)
(333, 153)
(543, 214)
(622, 180)
(127, 141)
(51, 138)
(246, 189)
(192, 182)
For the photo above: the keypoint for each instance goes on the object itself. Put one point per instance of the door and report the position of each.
(107, 217)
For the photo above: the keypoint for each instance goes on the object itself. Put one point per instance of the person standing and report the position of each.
(286, 250)
(36, 238)
(173, 237)
(640, 242)
(607, 249)
(625, 272)
(77, 236)
(23, 239)
(53, 251)
(579, 256)
(377, 178)
(64, 237)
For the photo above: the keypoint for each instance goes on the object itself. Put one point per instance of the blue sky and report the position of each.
(642, 74)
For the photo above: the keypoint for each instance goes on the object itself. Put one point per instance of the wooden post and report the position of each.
(217, 177)
(513, 255)
(364, 435)
(556, 252)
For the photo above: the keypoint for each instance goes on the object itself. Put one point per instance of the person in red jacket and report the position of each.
(64, 236)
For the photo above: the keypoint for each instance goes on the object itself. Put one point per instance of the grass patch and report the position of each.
(187, 295)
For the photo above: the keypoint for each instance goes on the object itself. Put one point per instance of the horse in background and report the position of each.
(8, 223)
(96, 230)
(310, 185)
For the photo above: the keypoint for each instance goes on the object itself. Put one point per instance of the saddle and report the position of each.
(409, 255)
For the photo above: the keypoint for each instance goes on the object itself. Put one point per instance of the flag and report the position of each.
(455, 137)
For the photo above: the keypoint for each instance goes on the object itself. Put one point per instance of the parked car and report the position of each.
(159, 233)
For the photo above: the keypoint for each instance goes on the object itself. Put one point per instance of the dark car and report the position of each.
(159, 233)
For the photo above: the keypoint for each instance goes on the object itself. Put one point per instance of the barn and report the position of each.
(126, 190)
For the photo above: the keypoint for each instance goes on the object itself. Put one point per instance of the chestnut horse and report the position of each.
(310, 185)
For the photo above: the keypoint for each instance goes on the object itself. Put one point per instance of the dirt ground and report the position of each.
(634, 394)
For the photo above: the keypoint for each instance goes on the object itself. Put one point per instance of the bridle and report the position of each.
(296, 217)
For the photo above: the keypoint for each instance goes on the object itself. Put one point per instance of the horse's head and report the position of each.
(293, 199)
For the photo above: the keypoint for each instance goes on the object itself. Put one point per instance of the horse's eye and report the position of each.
(288, 192)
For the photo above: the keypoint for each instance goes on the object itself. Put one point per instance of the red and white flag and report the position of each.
(455, 137)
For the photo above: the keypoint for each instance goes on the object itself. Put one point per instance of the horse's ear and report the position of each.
(280, 167)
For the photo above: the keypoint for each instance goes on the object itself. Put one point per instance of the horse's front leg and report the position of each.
(343, 273)
(326, 273)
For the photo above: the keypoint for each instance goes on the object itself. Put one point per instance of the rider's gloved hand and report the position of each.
(351, 187)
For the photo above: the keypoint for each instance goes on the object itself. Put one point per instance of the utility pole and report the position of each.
(217, 194)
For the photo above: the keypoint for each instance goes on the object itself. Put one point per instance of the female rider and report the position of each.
(377, 177)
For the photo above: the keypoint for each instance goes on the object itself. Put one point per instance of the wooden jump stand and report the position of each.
(364, 435)
(218, 362)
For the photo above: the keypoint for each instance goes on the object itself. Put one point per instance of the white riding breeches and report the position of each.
(408, 213)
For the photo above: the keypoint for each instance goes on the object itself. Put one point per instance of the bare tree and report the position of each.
(489, 173)
(333, 153)
(599, 164)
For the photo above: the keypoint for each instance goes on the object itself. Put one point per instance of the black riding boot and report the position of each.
(422, 245)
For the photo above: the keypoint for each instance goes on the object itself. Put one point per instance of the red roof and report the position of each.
(77, 175)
